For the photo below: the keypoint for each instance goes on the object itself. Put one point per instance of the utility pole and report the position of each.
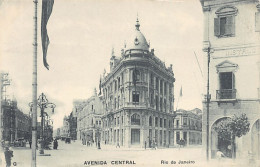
(34, 88)
(208, 101)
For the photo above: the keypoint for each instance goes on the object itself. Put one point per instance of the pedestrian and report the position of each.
(30, 143)
(145, 145)
(99, 145)
(117, 145)
(8, 156)
(55, 144)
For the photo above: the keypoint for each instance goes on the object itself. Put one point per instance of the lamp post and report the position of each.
(43, 103)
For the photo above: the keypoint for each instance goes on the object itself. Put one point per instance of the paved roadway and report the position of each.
(77, 155)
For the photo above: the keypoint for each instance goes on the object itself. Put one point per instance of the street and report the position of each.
(77, 155)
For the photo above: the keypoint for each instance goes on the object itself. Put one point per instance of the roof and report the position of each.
(137, 41)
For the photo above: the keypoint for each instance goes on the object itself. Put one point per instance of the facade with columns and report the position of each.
(188, 126)
(232, 38)
(138, 97)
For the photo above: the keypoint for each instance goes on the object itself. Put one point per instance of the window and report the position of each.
(184, 121)
(122, 119)
(161, 123)
(156, 121)
(224, 24)
(115, 85)
(136, 76)
(177, 123)
(118, 120)
(177, 136)
(164, 122)
(150, 121)
(118, 101)
(157, 101)
(135, 119)
(136, 97)
(226, 80)
(226, 71)
(115, 121)
(118, 83)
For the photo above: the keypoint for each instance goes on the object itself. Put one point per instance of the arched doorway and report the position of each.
(255, 138)
(218, 143)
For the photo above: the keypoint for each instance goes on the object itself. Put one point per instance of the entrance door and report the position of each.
(135, 136)
(150, 138)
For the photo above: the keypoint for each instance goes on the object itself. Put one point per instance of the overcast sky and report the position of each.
(82, 34)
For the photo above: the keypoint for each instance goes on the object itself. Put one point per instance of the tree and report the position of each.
(231, 128)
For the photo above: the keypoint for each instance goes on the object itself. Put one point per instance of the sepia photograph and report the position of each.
(130, 83)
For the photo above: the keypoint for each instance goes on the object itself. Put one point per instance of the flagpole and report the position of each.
(34, 88)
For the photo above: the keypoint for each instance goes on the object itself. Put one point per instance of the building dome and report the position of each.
(137, 41)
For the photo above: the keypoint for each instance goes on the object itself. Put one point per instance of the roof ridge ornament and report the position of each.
(137, 25)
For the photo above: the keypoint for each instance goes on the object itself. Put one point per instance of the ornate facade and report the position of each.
(138, 97)
(89, 119)
(232, 38)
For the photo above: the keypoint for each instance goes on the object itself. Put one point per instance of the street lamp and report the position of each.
(43, 103)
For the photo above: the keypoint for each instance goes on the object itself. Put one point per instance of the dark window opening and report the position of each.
(135, 119)
(136, 97)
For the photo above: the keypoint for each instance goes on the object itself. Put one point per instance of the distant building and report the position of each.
(138, 97)
(16, 124)
(89, 119)
(188, 126)
(72, 126)
(232, 35)
(65, 130)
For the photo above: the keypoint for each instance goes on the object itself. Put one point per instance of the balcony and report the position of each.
(226, 94)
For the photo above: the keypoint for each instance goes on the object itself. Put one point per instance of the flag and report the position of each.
(46, 12)
(181, 92)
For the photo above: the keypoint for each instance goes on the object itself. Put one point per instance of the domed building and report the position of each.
(138, 97)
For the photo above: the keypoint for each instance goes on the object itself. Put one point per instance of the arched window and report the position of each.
(150, 121)
(135, 119)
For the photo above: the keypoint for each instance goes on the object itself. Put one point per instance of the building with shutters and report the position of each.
(188, 126)
(232, 39)
(138, 97)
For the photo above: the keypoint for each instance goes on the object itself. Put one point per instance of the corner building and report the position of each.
(232, 35)
(138, 97)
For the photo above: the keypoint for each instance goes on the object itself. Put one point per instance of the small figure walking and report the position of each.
(145, 145)
(8, 156)
(30, 143)
(55, 144)
(99, 145)
(117, 145)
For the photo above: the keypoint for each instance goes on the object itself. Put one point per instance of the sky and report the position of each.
(82, 34)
